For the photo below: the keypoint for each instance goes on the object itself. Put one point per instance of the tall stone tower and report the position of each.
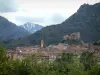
(42, 43)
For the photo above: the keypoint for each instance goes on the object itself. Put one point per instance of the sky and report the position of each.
(43, 12)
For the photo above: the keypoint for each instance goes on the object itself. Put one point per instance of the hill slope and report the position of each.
(9, 30)
(86, 21)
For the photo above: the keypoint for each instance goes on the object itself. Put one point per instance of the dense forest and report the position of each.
(86, 63)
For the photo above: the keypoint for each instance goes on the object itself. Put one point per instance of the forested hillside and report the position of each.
(86, 21)
(9, 30)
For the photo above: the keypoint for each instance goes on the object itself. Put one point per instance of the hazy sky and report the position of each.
(44, 12)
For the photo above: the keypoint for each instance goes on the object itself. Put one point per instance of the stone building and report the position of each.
(73, 36)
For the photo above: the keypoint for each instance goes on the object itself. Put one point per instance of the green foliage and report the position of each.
(67, 64)
(2, 53)
(88, 60)
(66, 57)
(94, 71)
(97, 42)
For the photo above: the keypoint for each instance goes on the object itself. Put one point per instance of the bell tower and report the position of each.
(42, 43)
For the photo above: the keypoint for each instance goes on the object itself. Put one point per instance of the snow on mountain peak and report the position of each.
(31, 27)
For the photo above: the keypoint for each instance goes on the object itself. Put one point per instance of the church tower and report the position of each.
(42, 43)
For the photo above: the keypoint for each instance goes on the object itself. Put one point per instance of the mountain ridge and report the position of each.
(31, 27)
(86, 21)
(9, 30)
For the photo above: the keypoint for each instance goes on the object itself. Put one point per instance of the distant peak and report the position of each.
(85, 7)
(85, 4)
(31, 27)
(82, 7)
(97, 3)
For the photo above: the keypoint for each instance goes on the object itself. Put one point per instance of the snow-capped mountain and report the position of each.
(31, 27)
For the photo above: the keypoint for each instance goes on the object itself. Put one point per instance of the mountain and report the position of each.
(9, 30)
(32, 28)
(86, 21)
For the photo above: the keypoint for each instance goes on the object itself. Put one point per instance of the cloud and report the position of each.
(8, 6)
(24, 19)
(57, 18)
(46, 12)
(20, 18)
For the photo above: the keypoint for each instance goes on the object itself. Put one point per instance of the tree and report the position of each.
(97, 42)
(95, 70)
(88, 60)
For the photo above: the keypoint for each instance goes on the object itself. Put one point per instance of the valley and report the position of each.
(69, 48)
